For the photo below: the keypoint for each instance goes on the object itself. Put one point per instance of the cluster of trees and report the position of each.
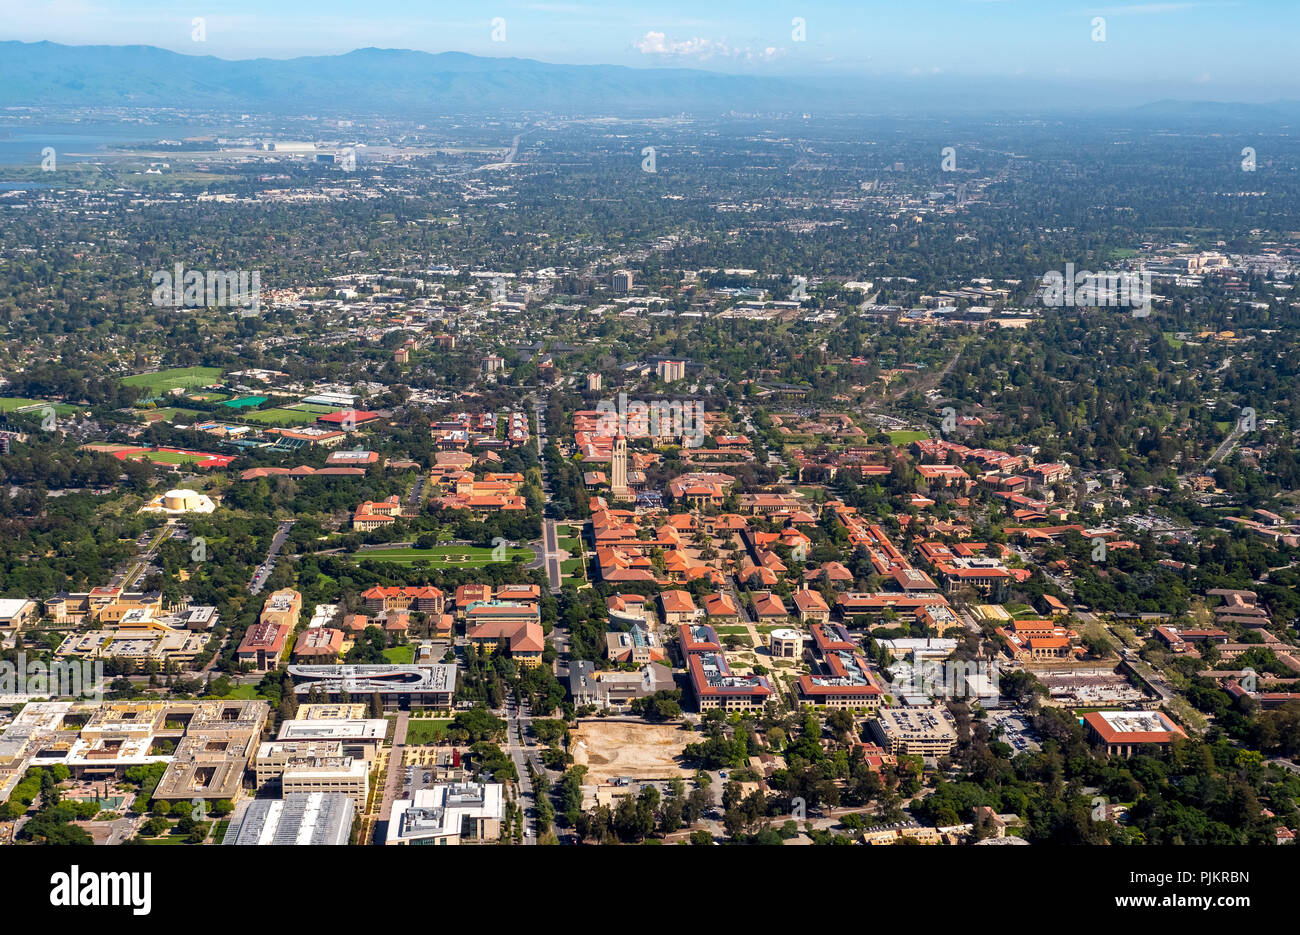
(1204, 791)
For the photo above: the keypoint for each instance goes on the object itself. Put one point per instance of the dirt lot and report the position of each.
(613, 749)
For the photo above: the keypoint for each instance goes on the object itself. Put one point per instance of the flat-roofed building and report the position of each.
(198, 617)
(141, 643)
(444, 814)
(274, 757)
(359, 738)
(786, 643)
(332, 712)
(210, 760)
(612, 688)
(16, 613)
(301, 819)
(502, 613)
(915, 731)
(282, 607)
(343, 775)
(399, 685)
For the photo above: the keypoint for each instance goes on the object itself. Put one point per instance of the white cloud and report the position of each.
(702, 49)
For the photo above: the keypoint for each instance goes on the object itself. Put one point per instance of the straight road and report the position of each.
(264, 570)
(137, 570)
(551, 546)
(396, 771)
(517, 747)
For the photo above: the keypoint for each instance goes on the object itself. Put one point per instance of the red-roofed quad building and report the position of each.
(844, 681)
(262, 645)
(426, 599)
(1125, 733)
(812, 606)
(523, 640)
(697, 639)
(319, 644)
(677, 607)
(347, 419)
(716, 688)
(371, 515)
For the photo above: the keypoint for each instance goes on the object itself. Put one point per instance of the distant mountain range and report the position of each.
(396, 81)
(46, 74)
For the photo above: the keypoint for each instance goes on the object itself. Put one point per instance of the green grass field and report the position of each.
(169, 414)
(10, 403)
(244, 692)
(450, 555)
(420, 733)
(399, 655)
(165, 380)
(245, 402)
(906, 438)
(279, 417)
(313, 407)
(165, 457)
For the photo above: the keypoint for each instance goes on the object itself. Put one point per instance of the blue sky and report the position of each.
(1230, 50)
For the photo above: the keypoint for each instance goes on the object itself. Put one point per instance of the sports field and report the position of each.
(245, 402)
(279, 417)
(12, 403)
(165, 380)
(201, 459)
(450, 555)
(906, 438)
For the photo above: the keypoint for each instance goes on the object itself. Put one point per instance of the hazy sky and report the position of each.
(1235, 49)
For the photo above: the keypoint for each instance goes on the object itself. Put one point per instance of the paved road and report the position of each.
(551, 546)
(1285, 764)
(264, 570)
(137, 570)
(396, 772)
(1226, 446)
(517, 746)
(550, 540)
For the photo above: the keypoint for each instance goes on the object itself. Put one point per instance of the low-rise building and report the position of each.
(612, 688)
(638, 645)
(16, 613)
(1124, 733)
(786, 643)
(915, 731)
(714, 685)
(444, 813)
(315, 818)
(399, 685)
